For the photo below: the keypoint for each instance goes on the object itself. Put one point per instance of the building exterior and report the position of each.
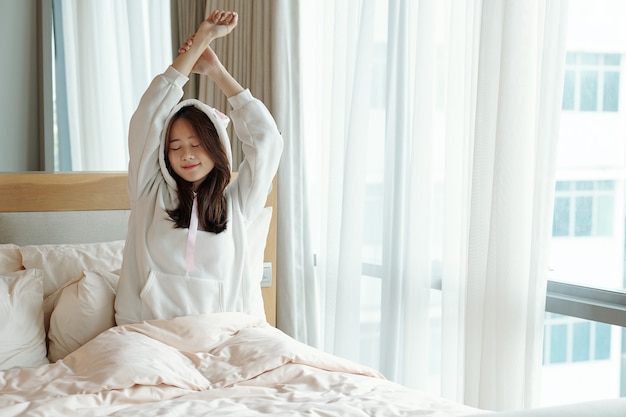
(583, 360)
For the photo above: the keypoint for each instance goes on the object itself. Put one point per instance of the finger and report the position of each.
(220, 18)
(231, 18)
(214, 17)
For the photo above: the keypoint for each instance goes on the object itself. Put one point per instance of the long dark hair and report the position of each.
(212, 208)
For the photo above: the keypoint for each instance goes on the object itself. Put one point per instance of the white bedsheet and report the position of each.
(213, 364)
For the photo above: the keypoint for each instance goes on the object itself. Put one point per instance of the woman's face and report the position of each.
(186, 155)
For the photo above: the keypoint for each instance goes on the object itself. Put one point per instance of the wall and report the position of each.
(19, 88)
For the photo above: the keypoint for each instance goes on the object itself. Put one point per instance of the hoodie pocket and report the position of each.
(166, 296)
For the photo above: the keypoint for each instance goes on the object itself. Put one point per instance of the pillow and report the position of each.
(65, 263)
(22, 336)
(10, 258)
(83, 310)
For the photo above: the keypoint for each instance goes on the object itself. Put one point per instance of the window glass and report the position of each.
(605, 185)
(560, 225)
(605, 216)
(589, 59)
(589, 91)
(602, 342)
(591, 82)
(563, 185)
(583, 216)
(582, 360)
(581, 341)
(612, 59)
(584, 208)
(610, 94)
(558, 344)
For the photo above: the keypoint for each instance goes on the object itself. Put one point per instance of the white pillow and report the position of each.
(83, 310)
(10, 258)
(65, 263)
(22, 336)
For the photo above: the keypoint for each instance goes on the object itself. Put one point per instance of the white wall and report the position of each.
(19, 86)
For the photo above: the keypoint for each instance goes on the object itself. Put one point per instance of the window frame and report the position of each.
(590, 303)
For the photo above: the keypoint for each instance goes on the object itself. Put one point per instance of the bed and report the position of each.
(61, 353)
(61, 239)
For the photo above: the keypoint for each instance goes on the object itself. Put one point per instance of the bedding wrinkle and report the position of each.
(229, 364)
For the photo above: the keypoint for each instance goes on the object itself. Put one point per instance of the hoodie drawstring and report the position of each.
(191, 236)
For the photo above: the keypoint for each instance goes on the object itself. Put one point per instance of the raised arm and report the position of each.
(261, 141)
(197, 56)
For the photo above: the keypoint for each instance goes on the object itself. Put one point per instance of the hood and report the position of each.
(219, 119)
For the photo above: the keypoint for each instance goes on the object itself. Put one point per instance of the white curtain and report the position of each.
(297, 289)
(112, 51)
(430, 130)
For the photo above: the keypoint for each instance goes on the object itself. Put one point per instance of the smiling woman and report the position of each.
(194, 151)
(103, 55)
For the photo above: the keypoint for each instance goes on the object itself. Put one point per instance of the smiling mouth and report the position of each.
(188, 167)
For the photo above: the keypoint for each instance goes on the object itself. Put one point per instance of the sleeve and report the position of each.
(146, 126)
(262, 145)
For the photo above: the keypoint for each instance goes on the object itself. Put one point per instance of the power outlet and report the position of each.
(266, 281)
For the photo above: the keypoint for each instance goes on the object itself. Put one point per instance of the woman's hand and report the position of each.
(218, 24)
(195, 55)
(207, 64)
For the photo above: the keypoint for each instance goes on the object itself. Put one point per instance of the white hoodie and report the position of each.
(154, 283)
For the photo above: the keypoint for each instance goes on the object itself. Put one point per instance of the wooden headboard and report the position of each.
(36, 207)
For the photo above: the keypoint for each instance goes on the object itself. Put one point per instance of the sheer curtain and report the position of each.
(111, 51)
(430, 129)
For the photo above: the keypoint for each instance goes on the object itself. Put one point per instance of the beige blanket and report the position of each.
(213, 364)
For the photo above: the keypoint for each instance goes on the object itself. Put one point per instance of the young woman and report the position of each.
(186, 249)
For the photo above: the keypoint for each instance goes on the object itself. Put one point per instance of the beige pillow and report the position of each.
(10, 258)
(65, 263)
(83, 310)
(22, 335)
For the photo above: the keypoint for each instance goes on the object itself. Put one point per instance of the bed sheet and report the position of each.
(212, 364)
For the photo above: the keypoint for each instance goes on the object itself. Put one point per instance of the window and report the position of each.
(570, 339)
(584, 333)
(583, 208)
(129, 43)
(591, 82)
(582, 360)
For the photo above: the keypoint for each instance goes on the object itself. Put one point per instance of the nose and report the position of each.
(188, 154)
